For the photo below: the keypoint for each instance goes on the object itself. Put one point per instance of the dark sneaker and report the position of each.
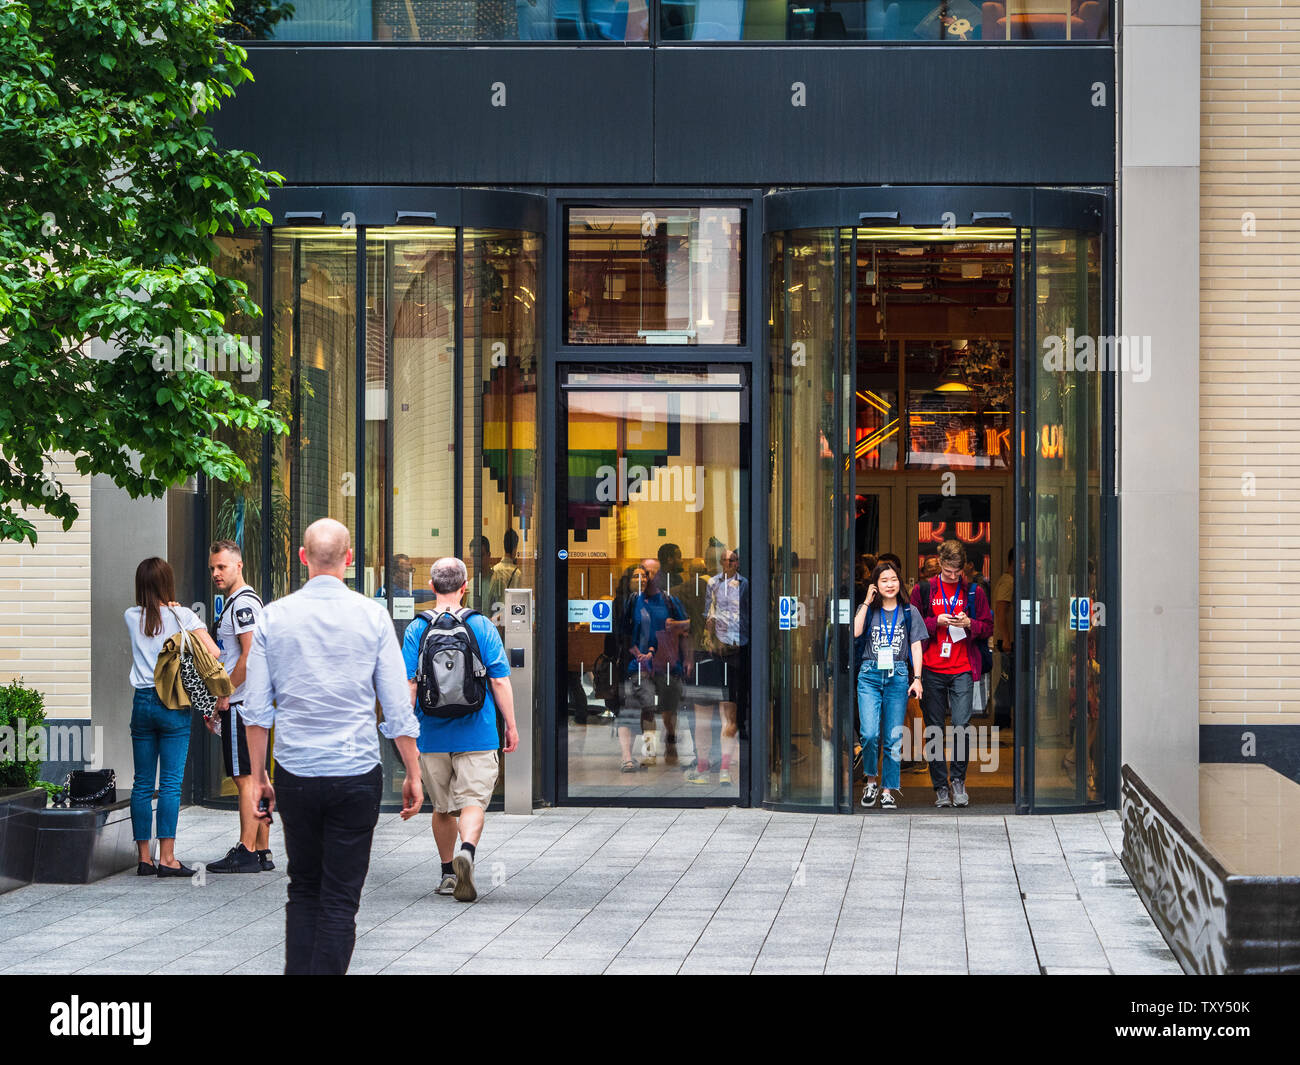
(239, 859)
(869, 793)
(464, 866)
(942, 798)
(959, 796)
(265, 858)
(447, 885)
(887, 801)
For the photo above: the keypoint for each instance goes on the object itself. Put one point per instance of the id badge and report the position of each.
(885, 659)
(945, 651)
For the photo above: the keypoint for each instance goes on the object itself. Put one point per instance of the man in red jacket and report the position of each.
(958, 618)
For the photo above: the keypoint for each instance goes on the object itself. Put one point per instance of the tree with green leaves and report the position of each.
(113, 347)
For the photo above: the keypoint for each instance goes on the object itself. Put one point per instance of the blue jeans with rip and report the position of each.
(882, 695)
(160, 740)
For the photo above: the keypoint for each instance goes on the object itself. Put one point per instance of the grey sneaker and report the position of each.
(959, 796)
(447, 886)
(941, 797)
(464, 866)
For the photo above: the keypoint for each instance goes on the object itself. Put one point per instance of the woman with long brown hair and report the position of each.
(160, 738)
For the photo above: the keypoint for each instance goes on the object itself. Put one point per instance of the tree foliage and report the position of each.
(112, 192)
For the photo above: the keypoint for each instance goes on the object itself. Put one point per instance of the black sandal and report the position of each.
(629, 767)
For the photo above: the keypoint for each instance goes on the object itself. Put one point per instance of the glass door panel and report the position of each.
(811, 534)
(1067, 561)
(655, 651)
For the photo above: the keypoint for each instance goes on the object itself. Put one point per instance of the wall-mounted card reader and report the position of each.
(518, 640)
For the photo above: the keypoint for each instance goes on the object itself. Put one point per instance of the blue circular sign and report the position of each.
(600, 610)
(561, 554)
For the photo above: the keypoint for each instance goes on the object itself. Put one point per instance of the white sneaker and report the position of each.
(464, 866)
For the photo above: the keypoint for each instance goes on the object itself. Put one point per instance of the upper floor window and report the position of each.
(628, 21)
(654, 275)
(444, 20)
(883, 20)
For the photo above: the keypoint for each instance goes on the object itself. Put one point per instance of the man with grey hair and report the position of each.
(320, 659)
(459, 756)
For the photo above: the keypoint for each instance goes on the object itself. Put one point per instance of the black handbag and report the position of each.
(90, 787)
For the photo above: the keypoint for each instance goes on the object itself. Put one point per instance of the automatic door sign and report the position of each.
(601, 619)
(1080, 613)
(785, 612)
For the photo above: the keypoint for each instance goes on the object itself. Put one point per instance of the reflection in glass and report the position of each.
(956, 21)
(1068, 561)
(665, 275)
(313, 470)
(657, 656)
(447, 20)
(809, 519)
(235, 510)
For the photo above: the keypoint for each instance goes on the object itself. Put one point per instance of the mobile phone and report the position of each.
(263, 807)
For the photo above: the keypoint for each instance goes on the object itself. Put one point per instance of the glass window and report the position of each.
(314, 474)
(654, 275)
(235, 510)
(449, 20)
(959, 404)
(500, 415)
(412, 319)
(883, 20)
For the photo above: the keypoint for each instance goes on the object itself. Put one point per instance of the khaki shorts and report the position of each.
(454, 781)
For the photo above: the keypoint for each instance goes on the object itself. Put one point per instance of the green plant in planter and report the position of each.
(21, 708)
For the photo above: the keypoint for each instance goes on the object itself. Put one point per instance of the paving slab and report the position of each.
(576, 890)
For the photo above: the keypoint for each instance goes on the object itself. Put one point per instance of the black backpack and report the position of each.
(450, 679)
(968, 597)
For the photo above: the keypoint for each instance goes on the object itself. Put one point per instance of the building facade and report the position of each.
(595, 296)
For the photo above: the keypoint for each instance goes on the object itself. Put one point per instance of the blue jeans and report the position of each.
(882, 694)
(160, 740)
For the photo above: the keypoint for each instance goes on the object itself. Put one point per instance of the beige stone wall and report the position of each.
(45, 606)
(1250, 363)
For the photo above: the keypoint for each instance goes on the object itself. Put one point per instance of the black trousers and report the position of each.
(329, 823)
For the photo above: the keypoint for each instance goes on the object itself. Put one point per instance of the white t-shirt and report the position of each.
(239, 614)
(145, 649)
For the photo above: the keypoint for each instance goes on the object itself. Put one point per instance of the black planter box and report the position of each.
(1215, 921)
(84, 843)
(18, 835)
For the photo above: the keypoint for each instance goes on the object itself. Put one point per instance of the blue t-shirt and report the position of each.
(474, 732)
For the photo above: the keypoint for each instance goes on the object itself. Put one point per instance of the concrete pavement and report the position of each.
(642, 891)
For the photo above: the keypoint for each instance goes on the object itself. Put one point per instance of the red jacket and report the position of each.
(981, 624)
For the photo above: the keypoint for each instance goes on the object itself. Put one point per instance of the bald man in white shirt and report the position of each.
(320, 659)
